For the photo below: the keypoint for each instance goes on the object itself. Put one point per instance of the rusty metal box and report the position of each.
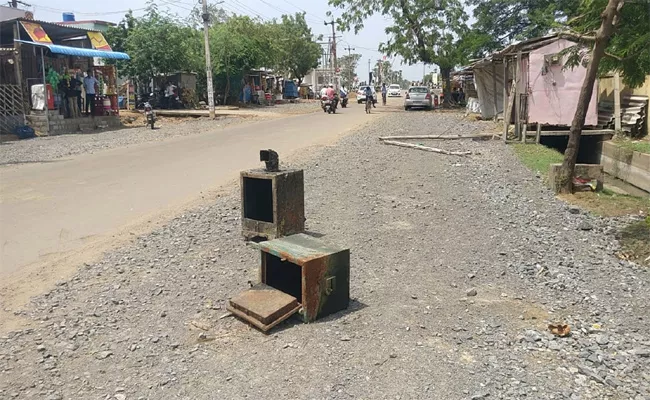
(306, 269)
(273, 203)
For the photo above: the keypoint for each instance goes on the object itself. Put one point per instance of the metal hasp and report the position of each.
(300, 274)
(272, 201)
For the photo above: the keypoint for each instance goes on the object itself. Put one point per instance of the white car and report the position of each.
(394, 91)
(361, 94)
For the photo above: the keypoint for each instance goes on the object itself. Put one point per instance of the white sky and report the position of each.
(365, 43)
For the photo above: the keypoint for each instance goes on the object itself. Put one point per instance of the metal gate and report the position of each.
(12, 111)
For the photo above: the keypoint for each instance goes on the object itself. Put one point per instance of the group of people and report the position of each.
(329, 92)
(71, 87)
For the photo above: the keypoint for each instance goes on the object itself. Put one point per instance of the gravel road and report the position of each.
(458, 266)
(50, 148)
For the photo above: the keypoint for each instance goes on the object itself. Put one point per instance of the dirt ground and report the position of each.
(458, 265)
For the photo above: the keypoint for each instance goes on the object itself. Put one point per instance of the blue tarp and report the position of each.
(80, 52)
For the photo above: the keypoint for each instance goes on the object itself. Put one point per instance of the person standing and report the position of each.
(170, 91)
(89, 86)
(383, 93)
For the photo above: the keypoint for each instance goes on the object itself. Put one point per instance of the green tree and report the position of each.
(237, 46)
(617, 33)
(156, 43)
(296, 51)
(499, 22)
(421, 31)
(348, 64)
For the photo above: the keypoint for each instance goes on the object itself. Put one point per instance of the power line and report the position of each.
(317, 19)
(250, 10)
(46, 8)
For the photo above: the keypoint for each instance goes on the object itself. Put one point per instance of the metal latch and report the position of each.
(330, 285)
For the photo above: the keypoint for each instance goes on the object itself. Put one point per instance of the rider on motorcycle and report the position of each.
(323, 91)
(331, 95)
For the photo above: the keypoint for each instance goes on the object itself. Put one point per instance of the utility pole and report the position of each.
(379, 71)
(349, 49)
(369, 73)
(336, 83)
(208, 64)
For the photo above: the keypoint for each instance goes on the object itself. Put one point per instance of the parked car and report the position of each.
(394, 91)
(418, 96)
(361, 94)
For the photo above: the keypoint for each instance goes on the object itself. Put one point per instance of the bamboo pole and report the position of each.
(426, 148)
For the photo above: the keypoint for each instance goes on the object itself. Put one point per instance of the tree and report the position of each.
(422, 31)
(348, 64)
(297, 53)
(621, 41)
(156, 43)
(515, 20)
(237, 46)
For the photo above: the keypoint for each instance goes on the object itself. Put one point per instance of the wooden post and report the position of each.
(617, 102)
(47, 111)
(506, 100)
(539, 133)
(518, 99)
(18, 52)
(494, 87)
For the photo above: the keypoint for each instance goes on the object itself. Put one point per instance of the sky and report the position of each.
(365, 43)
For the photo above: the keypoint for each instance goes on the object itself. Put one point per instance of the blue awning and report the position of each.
(80, 52)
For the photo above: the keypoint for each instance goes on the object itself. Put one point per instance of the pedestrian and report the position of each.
(169, 95)
(89, 86)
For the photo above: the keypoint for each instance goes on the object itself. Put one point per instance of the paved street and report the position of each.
(59, 213)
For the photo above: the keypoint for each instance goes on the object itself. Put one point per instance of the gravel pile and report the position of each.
(458, 266)
(49, 148)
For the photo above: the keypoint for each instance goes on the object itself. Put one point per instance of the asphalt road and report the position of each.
(51, 211)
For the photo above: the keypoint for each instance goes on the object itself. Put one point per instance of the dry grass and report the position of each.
(609, 204)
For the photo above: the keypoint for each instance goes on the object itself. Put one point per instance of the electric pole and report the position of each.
(369, 73)
(379, 71)
(336, 84)
(208, 64)
(349, 49)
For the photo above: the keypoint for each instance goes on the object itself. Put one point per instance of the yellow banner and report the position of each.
(98, 41)
(36, 32)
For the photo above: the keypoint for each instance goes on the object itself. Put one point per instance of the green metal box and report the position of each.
(317, 275)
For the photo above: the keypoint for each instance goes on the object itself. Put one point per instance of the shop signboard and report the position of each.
(36, 32)
(98, 41)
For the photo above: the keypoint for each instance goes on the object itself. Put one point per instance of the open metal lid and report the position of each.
(263, 306)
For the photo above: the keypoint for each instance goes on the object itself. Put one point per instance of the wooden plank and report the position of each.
(617, 102)
(590, 132)
(436, 137)
(538, 133)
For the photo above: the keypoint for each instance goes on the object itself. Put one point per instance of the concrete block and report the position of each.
(630, 166)
(589, 172)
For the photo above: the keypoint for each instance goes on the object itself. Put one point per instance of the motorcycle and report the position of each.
(344, 101)
(327, 105)
(150, 114)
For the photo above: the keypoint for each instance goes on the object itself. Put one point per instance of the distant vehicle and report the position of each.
(418, 96)
(361, 94)
(394, 91)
